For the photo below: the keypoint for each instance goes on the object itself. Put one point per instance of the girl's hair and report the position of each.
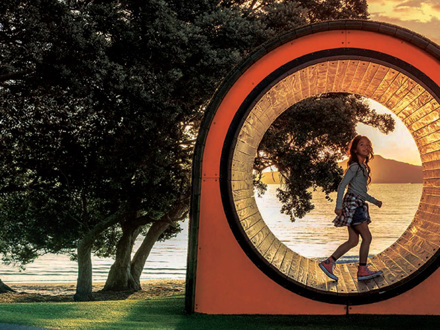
(352, 156)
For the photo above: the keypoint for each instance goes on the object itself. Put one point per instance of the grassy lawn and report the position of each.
(168, 313)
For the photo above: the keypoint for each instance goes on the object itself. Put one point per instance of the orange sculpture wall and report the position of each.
(223, 280)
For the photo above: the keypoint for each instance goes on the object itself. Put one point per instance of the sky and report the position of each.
(422, 17)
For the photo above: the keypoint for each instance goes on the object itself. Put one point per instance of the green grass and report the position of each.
(168, 313)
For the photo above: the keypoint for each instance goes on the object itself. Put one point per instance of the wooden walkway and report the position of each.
(399, 262)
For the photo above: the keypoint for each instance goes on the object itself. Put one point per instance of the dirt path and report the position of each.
(63, 292)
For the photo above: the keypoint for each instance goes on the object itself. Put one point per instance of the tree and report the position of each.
(100, 102)
(88, 131)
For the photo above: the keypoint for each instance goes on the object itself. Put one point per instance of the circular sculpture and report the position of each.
(341, 66)
(398, 86)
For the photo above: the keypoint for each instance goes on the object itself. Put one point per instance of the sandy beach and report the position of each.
(63, 292)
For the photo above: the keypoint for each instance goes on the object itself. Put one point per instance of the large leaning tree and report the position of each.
(100, 104)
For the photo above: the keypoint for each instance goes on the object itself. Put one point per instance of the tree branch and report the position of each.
(14, 75)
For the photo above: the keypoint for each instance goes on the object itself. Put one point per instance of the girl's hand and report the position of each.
(379, 204)
(338, 212)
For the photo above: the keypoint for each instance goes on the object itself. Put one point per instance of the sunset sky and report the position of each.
(422, 17)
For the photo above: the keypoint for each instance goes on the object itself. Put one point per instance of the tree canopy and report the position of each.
(100, 104)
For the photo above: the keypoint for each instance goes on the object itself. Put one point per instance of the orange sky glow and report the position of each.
(422, 17)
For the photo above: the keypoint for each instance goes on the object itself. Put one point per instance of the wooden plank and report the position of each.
(312, 277)
(418, 103)
(305, 87)
(415, 246)
(350, 283)
(244, 204)
(435, 191)
(322, 77)
(385, 84)
(260, 237)
(240, 164)
(273, 250)
(287, 261)
(331, 76)
(395, 262)
(247, 212)
(410, 257)
(424, 132)
(242, 194)
(363, 286)
(397, 272)
(428, 207)
(324, 282)
(246, 148)
(398, 82)
(358, 76)
(384, 280)
(429, 237)
(265, 108)
(377, 79)
(367, 78)
(393, 253)
(429, 125)
(312, 72)
(410, 118)
(340, 284)
(406, 87)
(429, 231)
(349, 75)
(266, 246)
(303, 270)
(279, 256)
(250, 221)
(255, 228)
(429, 157)
(408, 99)
(342, 67)
(294, 266)
(432, 163)
(402, 258)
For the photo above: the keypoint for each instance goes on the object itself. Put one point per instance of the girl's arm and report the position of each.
(373, 200)
(349, 175)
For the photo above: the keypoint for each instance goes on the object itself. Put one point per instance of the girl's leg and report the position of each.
(365, 233)
(353, 240)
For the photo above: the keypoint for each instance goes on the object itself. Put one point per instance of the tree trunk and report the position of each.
(84, 282)
(4, 288)
(141, 255)
(119, 277)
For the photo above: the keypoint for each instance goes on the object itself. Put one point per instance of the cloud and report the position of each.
(430, 29)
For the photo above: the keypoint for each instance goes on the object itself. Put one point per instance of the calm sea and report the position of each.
(313, 236)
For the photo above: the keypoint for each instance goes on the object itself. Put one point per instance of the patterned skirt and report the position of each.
(349, 205)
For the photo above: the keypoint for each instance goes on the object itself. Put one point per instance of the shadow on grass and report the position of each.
(169, 313)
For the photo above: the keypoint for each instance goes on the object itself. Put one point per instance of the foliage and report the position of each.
(100, 102)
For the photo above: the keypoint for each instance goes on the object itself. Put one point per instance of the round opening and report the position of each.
(396, 180)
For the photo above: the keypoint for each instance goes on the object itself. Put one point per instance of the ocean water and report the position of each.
(313, 236)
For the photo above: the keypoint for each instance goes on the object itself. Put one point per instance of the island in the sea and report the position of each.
(382, 171)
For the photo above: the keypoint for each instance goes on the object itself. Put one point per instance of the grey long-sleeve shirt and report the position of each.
(357, 184)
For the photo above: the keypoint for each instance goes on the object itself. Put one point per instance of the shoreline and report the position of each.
(63, 292)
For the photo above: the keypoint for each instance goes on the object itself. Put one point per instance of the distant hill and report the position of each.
(382, 171)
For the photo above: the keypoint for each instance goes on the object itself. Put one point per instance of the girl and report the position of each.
(352, 211)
